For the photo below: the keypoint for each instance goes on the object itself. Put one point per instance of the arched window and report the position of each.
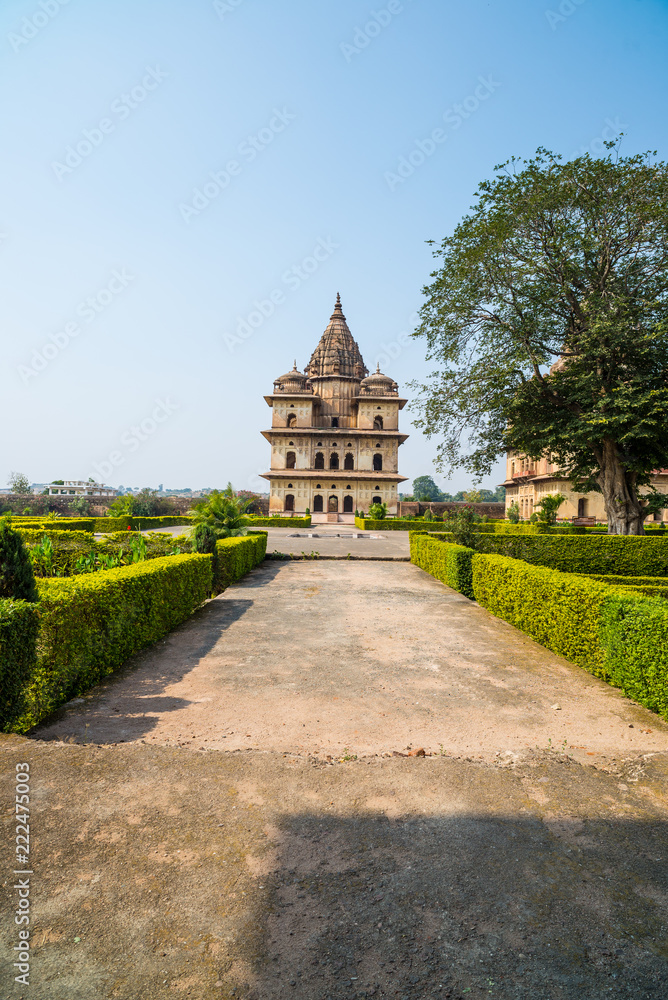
(377, 463)
(317, 504)
(378, 423)
(334, 460)
(377, 500)
(292, 420)
(349, 462)
(333, 505)
(291, 460)
(319, 460)
(347, 505)
(335, 421)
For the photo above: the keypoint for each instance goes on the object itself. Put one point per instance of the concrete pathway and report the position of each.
(226, 817)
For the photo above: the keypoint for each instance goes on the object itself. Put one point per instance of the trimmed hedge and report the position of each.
(59, 524)
(279, 522)
(618, 633)
(397, 524)
(19, 623)
(622, 555)
(559, 610)
(91, 624)
(654, 586)
(451, 564)
(234, 557)
(125, 521)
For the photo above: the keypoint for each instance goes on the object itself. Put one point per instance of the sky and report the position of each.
(188, 184)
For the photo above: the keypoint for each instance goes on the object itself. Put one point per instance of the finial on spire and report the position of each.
(338, 300)
(378, 368)
(294, 365)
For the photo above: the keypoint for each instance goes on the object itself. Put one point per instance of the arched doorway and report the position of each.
(291, 460)
(334, 460)
(378, 423)
(319, 460)
(377, 463)
(582, 507)
(347, 505)
(377, 500)
(317, 504)
(349, 461)
(333, 505)
(292, 420)
(290, 502)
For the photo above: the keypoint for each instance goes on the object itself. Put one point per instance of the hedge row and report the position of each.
(280, 522)
(623, 555)
(125, 521)
(59, 524)
(234, 557)
(91, 624)
(397, 524)
(653, 586)
(451, 564)
(19, 623)
(616, 633)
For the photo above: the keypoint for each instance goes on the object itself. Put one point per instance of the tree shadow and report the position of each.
(465, 906)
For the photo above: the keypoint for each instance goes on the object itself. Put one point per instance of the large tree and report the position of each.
(563, 261)
(424, 488)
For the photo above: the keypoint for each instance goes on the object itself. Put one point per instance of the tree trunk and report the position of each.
(620, 495)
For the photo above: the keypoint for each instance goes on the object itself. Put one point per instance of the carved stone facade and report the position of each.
(529, 480)
(334, 432)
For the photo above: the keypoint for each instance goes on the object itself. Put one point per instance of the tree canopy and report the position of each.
(547, 323)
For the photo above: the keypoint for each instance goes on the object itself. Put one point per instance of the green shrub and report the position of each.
(559, 610)
(90, 624)
(622, 555)
(234, 557)
(57, 524)
(279, 522)
(104, 524)
(653, 586)
(17, 578)
(19, 623)
(634, 634)
(451, 564)
(396, 524)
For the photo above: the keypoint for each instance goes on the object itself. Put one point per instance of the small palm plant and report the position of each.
(221, 515)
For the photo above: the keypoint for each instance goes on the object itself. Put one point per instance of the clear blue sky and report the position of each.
(303, 110)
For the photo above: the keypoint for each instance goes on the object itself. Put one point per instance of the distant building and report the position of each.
(334, 432)
(78, 488)
(528, 480)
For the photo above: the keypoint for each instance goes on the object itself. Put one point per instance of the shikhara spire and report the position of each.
(337, 352)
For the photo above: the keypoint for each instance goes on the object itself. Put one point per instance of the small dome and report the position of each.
(379, 382)
(294, 376)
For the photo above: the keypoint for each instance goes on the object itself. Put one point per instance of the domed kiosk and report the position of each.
(334, 432)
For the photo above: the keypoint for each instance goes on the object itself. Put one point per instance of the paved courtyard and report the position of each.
(241, 812)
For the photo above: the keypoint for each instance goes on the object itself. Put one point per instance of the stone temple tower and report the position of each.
(334, 432)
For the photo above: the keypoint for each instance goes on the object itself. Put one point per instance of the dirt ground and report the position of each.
(226, 818)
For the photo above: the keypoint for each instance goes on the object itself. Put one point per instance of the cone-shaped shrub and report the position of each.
(17, 579)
